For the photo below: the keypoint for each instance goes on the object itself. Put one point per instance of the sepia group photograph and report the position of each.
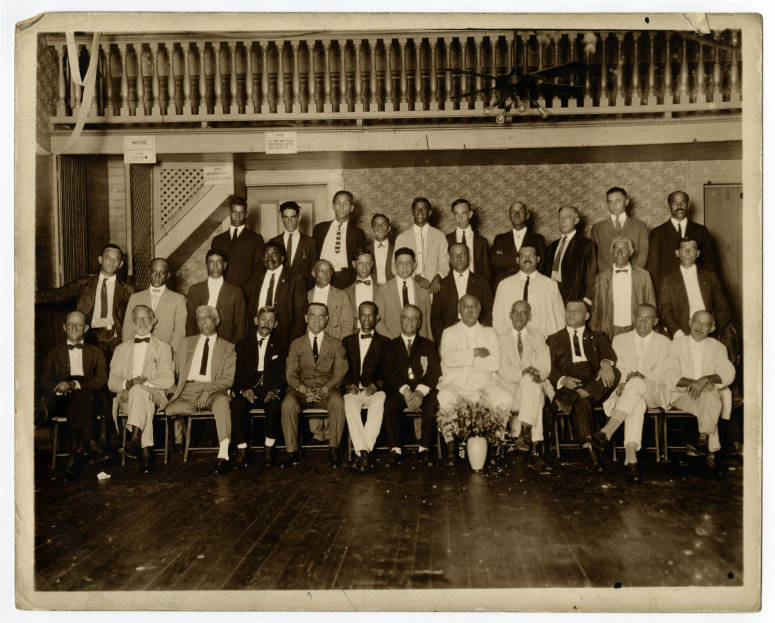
(388, 312)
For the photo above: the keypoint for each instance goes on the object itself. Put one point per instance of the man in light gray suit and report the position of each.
(400, 291)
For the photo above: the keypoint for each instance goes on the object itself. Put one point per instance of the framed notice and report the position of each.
(139, 149)
(280, 143)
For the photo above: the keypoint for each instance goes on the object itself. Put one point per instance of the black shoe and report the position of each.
(270, 456)
(71, 470)
(334, 459)
(633, 472)
(700, 447)
(710, 460)
(222, 466)
(522, 442)
(450, 454)
(536, 461)
(99, 455)
(292, 460)
(177, 447)
(394, 458)
(241, 460)
(427, 458)
(593, 464)
(364, 462)
(600, 441)
(146, 461)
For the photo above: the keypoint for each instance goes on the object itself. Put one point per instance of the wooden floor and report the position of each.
(314, 527)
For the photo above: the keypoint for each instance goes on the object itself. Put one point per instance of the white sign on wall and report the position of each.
(280, 143)
(139, 149)
(219, 174)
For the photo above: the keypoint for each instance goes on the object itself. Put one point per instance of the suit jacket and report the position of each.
(596, 347)
(481, 254)
(350, 292)
(247, 375)
(222, 366)
(390, 306)
(304, 256)
(603, 298)
(230, 306)
(679, 363)
(603, 233)
(328, 371)
(503, 255)
(535, 353)
(459, 367)
(170, 316)
(388, 260)
(290, 305)
(674, 302)
(372, 361)
(424, 362)
(577, 269)
(56, 368)
(87, 295)
(158, 368)
(355, 239)
(444, 308)
(436, 260)
(663, 242)
(246, 255)
(340, 313)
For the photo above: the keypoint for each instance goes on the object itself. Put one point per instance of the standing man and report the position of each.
(337, 240)
(365, 287)
(399, 292)
(363, 384)
(619, 291)
(504, 257)
(300, 250)
(205, 365)
(460, 281)
(665, 238)
(619, 225)
(583, 373)
(315, 370)
(169, 308)
(340, 312)
(141, 373)
(429, 246)
(382, 248)
(548, 315)
(571, 260)
(216, 292)
(478, 249)
(244, 247)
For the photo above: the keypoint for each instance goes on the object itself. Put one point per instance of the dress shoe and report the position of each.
(633, 472)
(522, 443)
(394, 458)
(131, 451)
(536, 461)
(364, 463)
(601, 441)
(292, 460)
(450, 454)
(177, 447)
(700, 447)
(146, 461)
(710, 460)
(333, 458)
(737, 449)
(270, 456)
(221, 467)
(593, 463)
(99, 455)
(427, 458)
(241, 460)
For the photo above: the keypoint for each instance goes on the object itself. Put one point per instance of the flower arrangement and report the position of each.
(474, 418)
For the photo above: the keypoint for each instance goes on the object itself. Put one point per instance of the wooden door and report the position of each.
(264, 205)
(724, 220)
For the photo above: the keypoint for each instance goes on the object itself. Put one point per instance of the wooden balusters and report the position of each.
(218, 79)
(250, 75)
(328, 104)
(619, 73)
(403, 97)
(588, 99)
(153, 51)
(734, 74)
(61, 110)
(479, 51)
(556, 37)
(651, 96)
(373, 105)
(187, 54)
(700, 96)
(233, 99)
(107, 77)
(449, 104)
(683, 74)
(171, 96)
(388, 44)
(343, 76)
(139, 81)
(312, 90)
(603, 70)
(203, 107)
(433, 45)
(123, 57)
(464, 49)
(667, 84)
(418, 90)
(296, 77)
(76, 90)
(358, 96)
(280, 80)
(265, 108)
(717, 95)
(635, 99)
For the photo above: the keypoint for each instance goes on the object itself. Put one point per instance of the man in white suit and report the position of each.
(168, 307)
(640, 356)
(697, 368)
(524, 367)
(547, 309)
(141, 372)
(429, 245)
(399, 292)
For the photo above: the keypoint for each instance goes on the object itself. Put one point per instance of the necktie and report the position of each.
(409, 346)
(524, 290)
(558, 256)
(315, 348)
(421, 260)
(142, 339)
(155, 294)
(260, 342)
(289, 247)
(621, 270)
(405, 295)
(205, 354)
(366, 282)
(519, 343)
(78, 346)
(270, 293)
(366, 336)
(410, 372)
(576, 345)
(617, 224)
(338, 245)
(104, 299)
(234, 234)
(680, 233)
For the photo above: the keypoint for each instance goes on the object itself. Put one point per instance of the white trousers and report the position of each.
(638, 395)
(140, 408)
(707, 409)
(527, 399)
(364, 436)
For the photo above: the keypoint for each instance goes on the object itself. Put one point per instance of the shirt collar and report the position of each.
(159, 289)
(466, 230)
(524, 275)
(682, 223)
(465, 273)
(239, 228)
(580, 330)
(219, 281)
(622, 218)
(276, 272)
(142, 337)
(261, 337)
(406, 338)
(74, 343)
(212, 337)
(516, 333)
(692, 270)
(614, 267)
(110, 279)
(380, 244)
(419, 229)
(336, 224)
(569, 235)
(326, 289)
(519, 232)
(311, 335)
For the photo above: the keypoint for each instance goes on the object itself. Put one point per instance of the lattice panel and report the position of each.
(142, 222)
(177, 188)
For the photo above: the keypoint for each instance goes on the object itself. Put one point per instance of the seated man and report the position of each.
(315, 369)
(258, 384)
(640, 357)
(363, 384)
(470, 357)
(72, 373)
(583, 372)
(411, 375)
(524, 366)
(141, 373)
(696, 368)
(205, 365)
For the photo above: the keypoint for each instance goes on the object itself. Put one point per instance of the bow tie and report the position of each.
(142, 339)
(155, 290)
(366, 282)
(621, 270)
(72, 346)
(366, 336)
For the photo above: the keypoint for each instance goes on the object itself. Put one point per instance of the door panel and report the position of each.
(264, 206)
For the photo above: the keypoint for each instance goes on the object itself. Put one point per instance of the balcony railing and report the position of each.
(256, 79)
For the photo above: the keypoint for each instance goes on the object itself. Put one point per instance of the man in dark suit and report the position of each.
(382, 249)
(664, 240)
(582, 373)
(619, 224)
(478, 249)
(365, 287)
(337, 240)
(258, 384)
(459, 281)
(363, 384)
(505, 247)
(243, 247)
(410, 381)
(315, 369)
(571, 260)
(72, 373)
(283, 290)
(216, 292)
(300, 250)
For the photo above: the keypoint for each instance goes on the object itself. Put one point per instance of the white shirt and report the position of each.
(641, 348)
(138, 355)
(238, 229)
(622, 219)
(214, 289)
(696, 348)
(156, 294)
(467, 235)
(339, 260)
(580, 332)
(409, 286)
(196, 359)
(683, 224)
(420, 239)
(263, 343)
(692, 286)
(97, 322)
(364, 345)
(519, 236)
(381, 259)
(76, 359)
(265, 286)
(621, 289)
(362, 293)
(557, 274)
(320, 295)
(461, 283)
(292, 235)
(312, 337)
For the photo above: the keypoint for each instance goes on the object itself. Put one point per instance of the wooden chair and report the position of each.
(122, 418)
(656, 417)
(408, 413)
(55, 421)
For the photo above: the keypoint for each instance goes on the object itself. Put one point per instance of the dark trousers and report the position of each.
(78, 408)
(580, 409)
(394, 412)
(107, 342)
(240, 415)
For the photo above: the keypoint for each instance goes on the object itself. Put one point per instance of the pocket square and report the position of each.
(424, 363)
(275, 356)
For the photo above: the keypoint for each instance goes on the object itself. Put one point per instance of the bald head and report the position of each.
(518, 215)
(520, 314)
(75, 326)
(470, 308)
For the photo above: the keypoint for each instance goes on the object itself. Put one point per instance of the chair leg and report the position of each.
(557, 437)
(54, 442)
(656, 437)
(166, 439)
(664, 438)
(123, 445)
(188, 439)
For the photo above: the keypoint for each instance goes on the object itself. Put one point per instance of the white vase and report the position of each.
(477, 452)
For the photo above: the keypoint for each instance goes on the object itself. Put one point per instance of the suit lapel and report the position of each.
(704, 283)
